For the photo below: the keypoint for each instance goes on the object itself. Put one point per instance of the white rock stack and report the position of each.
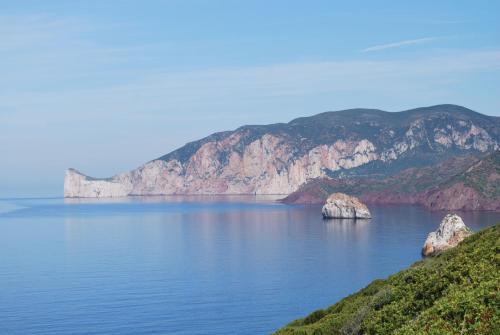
(450, 233)
(343, 206)
(78, 185)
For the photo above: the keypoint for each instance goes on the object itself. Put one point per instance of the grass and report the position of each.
(456, 292)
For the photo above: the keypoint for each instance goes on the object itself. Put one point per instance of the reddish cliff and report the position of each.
(461, 183)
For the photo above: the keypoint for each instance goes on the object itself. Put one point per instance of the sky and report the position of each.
(104, 86)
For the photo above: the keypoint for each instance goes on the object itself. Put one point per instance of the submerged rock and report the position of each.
(343, 206)
(450, 233)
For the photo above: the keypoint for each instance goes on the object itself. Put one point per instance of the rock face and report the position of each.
(460, 183)
(279, 158)
(342, 206)
(450, 233)
(77, 184)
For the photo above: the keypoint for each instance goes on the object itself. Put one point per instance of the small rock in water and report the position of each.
(343, 206)
(450, 233)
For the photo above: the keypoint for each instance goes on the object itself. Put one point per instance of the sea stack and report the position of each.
(450, 233)
(343, 206)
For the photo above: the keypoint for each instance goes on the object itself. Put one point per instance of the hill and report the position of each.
(459, 183)
(456, 292)
(279, 158)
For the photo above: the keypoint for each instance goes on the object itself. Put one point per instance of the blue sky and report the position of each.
(104, 86)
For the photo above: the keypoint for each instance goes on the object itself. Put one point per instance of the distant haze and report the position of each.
(108, 85)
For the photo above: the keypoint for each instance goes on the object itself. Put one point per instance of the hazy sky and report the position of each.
(104, 86)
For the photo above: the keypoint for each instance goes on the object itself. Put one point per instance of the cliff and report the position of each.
(279, 158)
(459, 183)
(455, 292)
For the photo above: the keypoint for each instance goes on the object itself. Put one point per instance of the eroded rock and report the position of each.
(450, 233)
(343, 206)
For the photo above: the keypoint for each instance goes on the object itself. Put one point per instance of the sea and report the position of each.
(192, 264)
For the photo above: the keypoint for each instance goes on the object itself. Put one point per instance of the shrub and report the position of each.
(457, 292)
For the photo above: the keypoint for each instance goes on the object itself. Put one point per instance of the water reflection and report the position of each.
(356, 229)
(345, 224)
(222, 198)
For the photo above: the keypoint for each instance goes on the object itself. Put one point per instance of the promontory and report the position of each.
(280, 158)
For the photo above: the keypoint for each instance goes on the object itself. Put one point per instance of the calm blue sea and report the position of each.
(191, 265)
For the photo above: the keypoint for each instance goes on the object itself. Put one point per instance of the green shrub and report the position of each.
(457, 292)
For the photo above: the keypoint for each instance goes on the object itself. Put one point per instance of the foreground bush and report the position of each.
(457, 292)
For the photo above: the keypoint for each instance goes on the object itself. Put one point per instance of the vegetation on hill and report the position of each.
(383, 129)
(456, 292)
(484, 176)
(408, 181)
(462, 182)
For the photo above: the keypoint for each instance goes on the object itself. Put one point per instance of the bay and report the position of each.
(192, 265)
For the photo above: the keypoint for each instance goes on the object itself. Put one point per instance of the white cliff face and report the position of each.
(269, 164)
(468, 136)
(79, 185)
(451, 231)
(342, 206)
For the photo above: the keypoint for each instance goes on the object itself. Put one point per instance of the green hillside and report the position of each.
(484, 176)
(457, 292)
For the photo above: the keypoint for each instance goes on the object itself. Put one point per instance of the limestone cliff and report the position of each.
(279, 158)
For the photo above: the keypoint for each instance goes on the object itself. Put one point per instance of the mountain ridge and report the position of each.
(280, 157)
(435, 109)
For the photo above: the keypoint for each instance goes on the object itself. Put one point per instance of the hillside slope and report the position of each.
(279, 158)
(457, 292)
(460, 183)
